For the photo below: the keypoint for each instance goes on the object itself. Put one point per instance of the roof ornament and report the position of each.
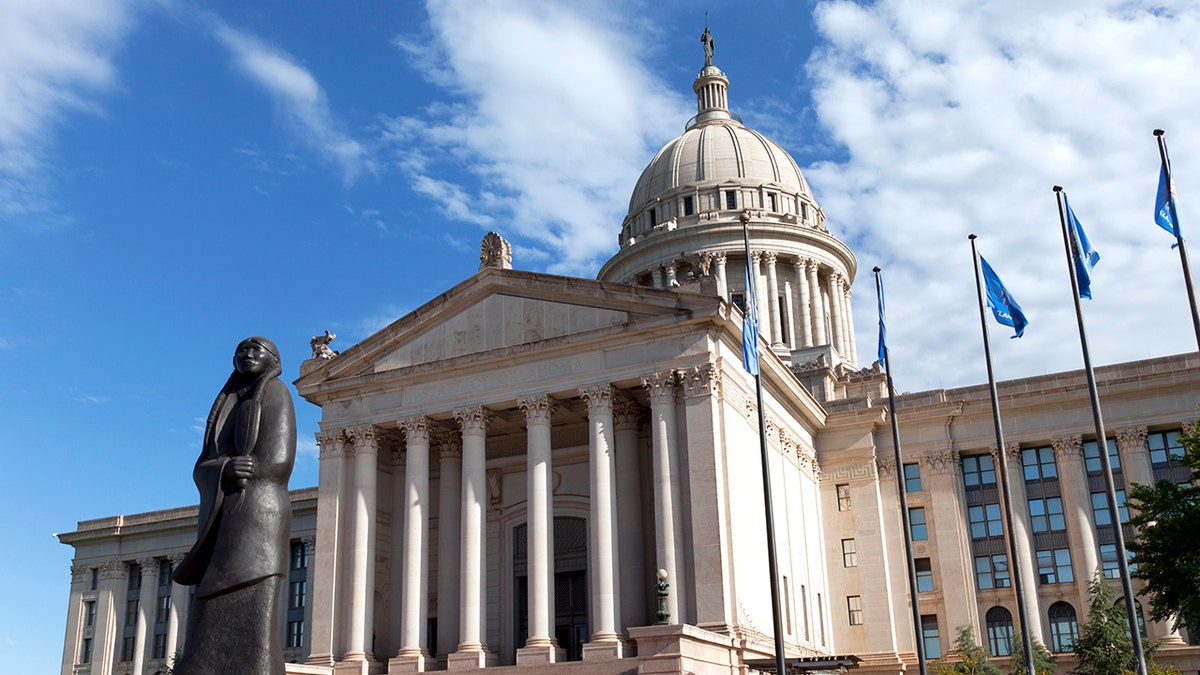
(709, 43)
(494, 251)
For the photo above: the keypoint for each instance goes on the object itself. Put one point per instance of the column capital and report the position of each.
(1068, 447)
(146, 564)
(599, 397)
(176, 558)
(756, 256)
(886, 467)
(1132, 439)
(330, 443)
(627, 414)
(114, 569)
(719, 257)
(538, 408)
(941, 461)
(701, 380)
(310, 544)
(1012, 450)
(416, 428)
(661, 386)
(365, 438)
(770, 256)
(800, 264)
(80, 573)
(473, 419)
(449, 445)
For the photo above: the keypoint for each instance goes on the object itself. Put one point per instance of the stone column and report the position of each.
(109, 603)
(627, 416)
(540, 646)
(722, 282)
(414, 590)
(449, 541)
(327, 566)
(1026, 564)
(602, 545)
(773, 300)
(1077, 509)
(835, 314)
(761, 292)
(472, 651)
(852, 348)
(80, 577)
(791, 316)
(804, 311)
(669, 271)
(148, 567)
(668, 525)
(818, 312)
(656, 276)
(362, 544)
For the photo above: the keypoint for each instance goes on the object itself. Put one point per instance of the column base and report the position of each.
(358, 663)
(539, 652)
(323, 659)
(470, 658)
(606, 647)
(416, 661)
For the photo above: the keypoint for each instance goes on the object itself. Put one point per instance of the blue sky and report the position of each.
(175, 176)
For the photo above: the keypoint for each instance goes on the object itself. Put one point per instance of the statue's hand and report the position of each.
(239, 470)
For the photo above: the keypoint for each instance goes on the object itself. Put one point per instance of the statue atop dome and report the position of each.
(709, 44)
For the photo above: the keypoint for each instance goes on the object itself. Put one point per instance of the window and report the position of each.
(1165, 449)
(1101, 512)
(771, 202)
(295, 634)
(1063, 628)
(849, 553)
(821, 619)
(803, 211)
(297, 594)
(1091, 456)
(653, 217)
(985, 521)
(1054, 566)
(1141, 618)
(160, 646)
(1046, 515)
(929, 632)
(95, 577)
(916, 521)
(1000, 631)
(787, 605)
(854, 605)
(299, 556)
(1039, 464)
(924, 575)
(843, 497)
(912, 477)
(689, 206)
(164, 573)
(978, 470)
(85, 650)
(991, 571)
(127, 648)
(731, 200)
(163, 612)
(89, 613)
(1108, 559)
(131, 610)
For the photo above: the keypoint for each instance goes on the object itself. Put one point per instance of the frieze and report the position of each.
(942, 461)
(852, 471)
(538, 408)
(661, 386)
(1132, 439)
(1068, 447)
(599, 398)
(702, 380)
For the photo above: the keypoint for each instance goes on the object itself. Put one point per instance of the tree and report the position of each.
(1167, 520)
(973, 659)
(1104, 646)
(1043, 660)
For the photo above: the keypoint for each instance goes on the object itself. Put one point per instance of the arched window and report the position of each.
(1000, 631)
(1119, 605)
(1064, 629)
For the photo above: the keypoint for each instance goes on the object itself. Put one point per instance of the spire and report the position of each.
(710, 87)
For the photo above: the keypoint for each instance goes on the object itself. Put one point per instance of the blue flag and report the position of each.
(750, 325)
(1085, 255)
(1003, 304)
(1164, 207)
(882, 326)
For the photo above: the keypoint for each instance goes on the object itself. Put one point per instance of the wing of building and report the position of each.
(537, 470)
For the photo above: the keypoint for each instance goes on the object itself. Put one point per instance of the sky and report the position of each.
(177, 175)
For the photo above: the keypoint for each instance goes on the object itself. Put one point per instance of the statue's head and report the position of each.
(256, 356)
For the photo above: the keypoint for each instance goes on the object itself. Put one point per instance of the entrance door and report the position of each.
(570, 586)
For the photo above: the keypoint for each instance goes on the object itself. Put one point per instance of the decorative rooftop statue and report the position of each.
(239, 562)
(495, 251)
(320, 346)
(709, 44)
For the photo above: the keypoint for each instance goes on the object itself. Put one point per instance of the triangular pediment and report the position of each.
(499, 309)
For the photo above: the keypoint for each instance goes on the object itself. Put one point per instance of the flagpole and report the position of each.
(1183, 256)
(902, 489)
(1069, 242)
(1014, 558)
(772, 563)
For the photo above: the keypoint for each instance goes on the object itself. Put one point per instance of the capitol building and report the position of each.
(505, 470)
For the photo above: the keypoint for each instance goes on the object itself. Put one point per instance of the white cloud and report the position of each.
(299, 98)
(555, 121)
(959, 117)
(55, 59)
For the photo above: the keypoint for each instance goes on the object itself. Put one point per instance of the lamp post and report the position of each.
(662, 589)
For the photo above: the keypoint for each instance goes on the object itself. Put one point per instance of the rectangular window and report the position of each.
(787, 605)
(127, 648)
(929, 632)
(1046, 515)
(95, 577)
(131, 610)
(163, 612)
(849, 553)
(1054, 566)
(85, 650)
(1165, 448)
(135, 577)
(295, 635)
(89, 613)
(160, 646)
(297, 594)
(164, 573)
(991, 571)
(653, 217)
(803, 211)
(804, 609)
(843, 497)
(854, 606)
(1091, 456)
(1108, 559)
(985, 521)
(689, 206)
(1101, 512)
(1039, 464)
(771, 202)
(821, 619)
(912, 477)
(924, 575)
(731, 200)
(299, 556)
(916, 520)
(978, 471)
